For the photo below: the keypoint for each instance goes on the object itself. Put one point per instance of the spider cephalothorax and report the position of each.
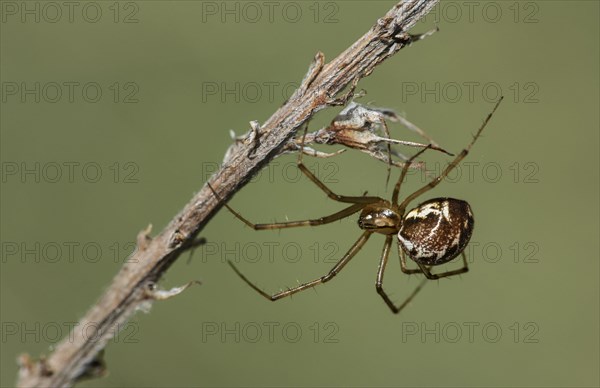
(380, 218)
(431, 234)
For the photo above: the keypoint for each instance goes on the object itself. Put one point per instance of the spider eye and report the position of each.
(436, 231)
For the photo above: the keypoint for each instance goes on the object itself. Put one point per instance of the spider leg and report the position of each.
(412, 127)
(389, 151)
(434, 276)
(403, 174)
(450, 166)
(379, 284)
(322, 186)
(403, 265)
(334, 271)
(291, 224)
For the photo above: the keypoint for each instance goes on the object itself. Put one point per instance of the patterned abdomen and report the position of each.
(436, 231)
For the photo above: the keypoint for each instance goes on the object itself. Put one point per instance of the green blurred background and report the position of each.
(526, 314)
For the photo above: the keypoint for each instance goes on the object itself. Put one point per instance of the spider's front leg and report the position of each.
(336, 197)
(436, 181)
(291, 224)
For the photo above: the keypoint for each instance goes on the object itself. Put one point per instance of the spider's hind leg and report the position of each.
(403, 265)
(433, 276)
(379, 284)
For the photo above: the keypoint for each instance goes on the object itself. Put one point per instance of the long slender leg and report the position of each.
(403, 174)
(321, 185)
(389, 151)
(433, 276)
(403, 121)
(450, 166)
(379, 284)
(331, 194)
(334, 271)
(291, 224)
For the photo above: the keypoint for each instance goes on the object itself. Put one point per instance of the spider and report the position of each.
(431, 234)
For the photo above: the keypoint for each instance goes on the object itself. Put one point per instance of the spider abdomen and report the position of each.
(436, 231)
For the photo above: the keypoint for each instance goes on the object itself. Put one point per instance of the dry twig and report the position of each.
(79, 355)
